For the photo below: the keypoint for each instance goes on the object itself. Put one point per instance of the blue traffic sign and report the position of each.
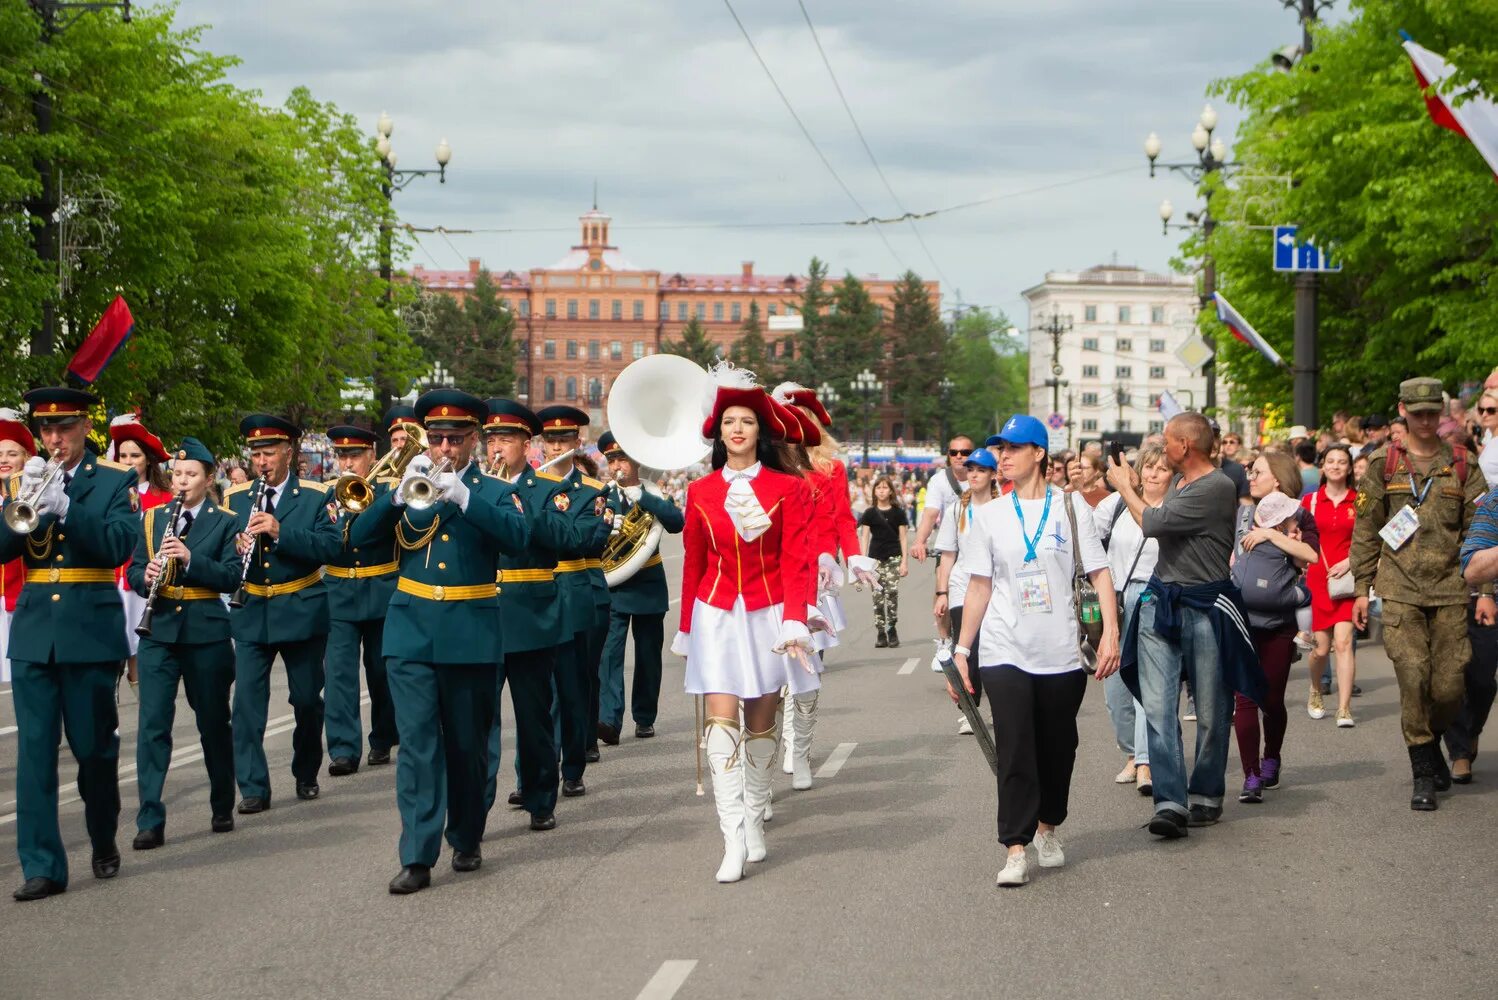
(1055, 421)
(1290, 255)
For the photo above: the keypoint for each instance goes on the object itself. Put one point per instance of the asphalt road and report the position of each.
(880, 880)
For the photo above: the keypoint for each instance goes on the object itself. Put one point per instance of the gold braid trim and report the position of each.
(41, 550)
(425, 537)
(732, 725)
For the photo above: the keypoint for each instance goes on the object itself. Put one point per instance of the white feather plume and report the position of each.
(6, 413)
(784, 391)
(123, 419)
(724, 374)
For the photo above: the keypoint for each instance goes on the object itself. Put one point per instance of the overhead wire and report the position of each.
(865, 143)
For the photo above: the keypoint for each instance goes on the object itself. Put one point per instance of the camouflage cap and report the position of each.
(1421, 395)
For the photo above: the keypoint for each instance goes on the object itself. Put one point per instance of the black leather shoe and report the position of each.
(547, 822)
(149, 840)
(412, 878)
(1204, 815)
(1423, 797)
(340, 766)
(1357, 692)
(223, 824)
(38, 888)
(377, 757)
(106, 863)
(253, 804)
(644, 732)
(591, 755)
(1168, 823)
(608, 734)
(307, 792)
(572, 789)
(467, 861)
(515, 799)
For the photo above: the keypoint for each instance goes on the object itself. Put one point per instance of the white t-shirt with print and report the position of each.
(1037, 640)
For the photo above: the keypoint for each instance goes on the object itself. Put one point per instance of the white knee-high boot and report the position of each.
(725, 762)
(758, 753)
(804, 712)
(788, 732)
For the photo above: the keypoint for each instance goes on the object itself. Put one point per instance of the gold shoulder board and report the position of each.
(589, 481)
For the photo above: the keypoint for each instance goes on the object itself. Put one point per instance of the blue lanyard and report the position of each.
(1419, 497)
(1031, 543)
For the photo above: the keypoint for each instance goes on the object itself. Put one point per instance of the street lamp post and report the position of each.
(1211, 157)
(946, 386)
(867, 383)
(396, 180)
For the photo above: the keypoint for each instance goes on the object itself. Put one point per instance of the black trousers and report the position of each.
(954, 615)
(1035, 732)
(593, 639)
(1482, 686)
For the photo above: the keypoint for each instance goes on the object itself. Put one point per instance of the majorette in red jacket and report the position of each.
(834, 525)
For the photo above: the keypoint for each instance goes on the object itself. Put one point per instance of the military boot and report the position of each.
(1423, 797)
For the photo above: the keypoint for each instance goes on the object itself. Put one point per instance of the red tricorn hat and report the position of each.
(13, 428)
(127, 427)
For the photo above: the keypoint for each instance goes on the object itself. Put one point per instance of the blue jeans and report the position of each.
(1160, 666)
(1129, 727)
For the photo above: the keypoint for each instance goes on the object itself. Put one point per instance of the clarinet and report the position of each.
(173, 512)
(242, 595)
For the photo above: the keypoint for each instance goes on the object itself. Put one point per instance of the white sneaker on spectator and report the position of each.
(1048, 850)
(1016, 870)
(964, 727)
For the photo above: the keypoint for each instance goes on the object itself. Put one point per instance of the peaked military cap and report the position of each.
(450, 408)
(506, 414)
(562, 418)
(266, 428)
(59, 404)
(609, 447)
(400, 413)
(346, 436)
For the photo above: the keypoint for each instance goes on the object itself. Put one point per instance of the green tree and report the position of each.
(806, 364)
(750, 350)
(918, 348)
(851, 342)
(1405, 206)
(989, 370)
(694, 344)
(484, 357)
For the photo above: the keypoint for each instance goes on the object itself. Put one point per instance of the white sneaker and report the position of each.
(964, 727)
(1345, 719)
(1016, 870)
(1048, 850)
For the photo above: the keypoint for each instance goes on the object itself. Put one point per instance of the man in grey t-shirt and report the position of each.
(1194, 526)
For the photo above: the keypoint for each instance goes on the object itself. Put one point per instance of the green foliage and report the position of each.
(806, 366)
(483, 359)
(851, 342)
(750, 350)
(1407, 207)
(989, 370)
(243, 237)
(694, 344)
(918, 352)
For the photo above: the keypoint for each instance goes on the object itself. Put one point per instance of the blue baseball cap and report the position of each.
(984, 458)
(1022, 429)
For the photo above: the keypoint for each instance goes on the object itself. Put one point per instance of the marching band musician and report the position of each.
(68, 638)
(133, 445)
(444, 634)
(577, 666)
(396, 419)
(360, 581)
(532, 615)
(641, 601)
(189, 640)
(834, 535)
(286, 536)
(16, 446)
(746, 584)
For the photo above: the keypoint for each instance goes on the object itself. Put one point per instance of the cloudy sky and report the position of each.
(663, 104)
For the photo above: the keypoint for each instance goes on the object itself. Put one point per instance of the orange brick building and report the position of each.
(584, 318)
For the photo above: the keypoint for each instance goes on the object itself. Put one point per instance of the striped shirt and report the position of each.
(1482, 533)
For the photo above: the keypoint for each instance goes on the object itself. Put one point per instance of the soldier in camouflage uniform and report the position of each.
(1420, 579)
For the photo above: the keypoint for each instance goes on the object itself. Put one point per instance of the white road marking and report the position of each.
(835, 760)
(667, 979)
(273, 727)
(7, 730)
(908, 667)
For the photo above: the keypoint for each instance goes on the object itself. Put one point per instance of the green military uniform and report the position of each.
(360, 582)
(577, 673)
(189, 642)
(443, 643)
(642, 602)
(1420, 583)
(597, 634)
(67, 649)
(285, 614)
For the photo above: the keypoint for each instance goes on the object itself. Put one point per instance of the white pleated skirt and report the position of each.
(135, 606)
(732, 652)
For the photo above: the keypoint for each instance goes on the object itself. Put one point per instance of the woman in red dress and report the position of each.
(16, 446)
(1334, 507)
(133, 445)
(746, 584)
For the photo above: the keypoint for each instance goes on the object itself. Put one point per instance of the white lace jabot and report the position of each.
(749, 517)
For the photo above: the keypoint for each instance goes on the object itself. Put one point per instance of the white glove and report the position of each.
(54, 499)
(452, 487)
(31, 474)
(416, 470)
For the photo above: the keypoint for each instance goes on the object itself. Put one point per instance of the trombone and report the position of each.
(21, 515)
(355, 493)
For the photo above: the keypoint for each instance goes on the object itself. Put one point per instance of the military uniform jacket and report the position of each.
(366, 596)
(75, 622)
(297, 608)
(188, 609)
(645, 593)
(1426, 570)
(582, 499)
(448, 554)
(529, 597)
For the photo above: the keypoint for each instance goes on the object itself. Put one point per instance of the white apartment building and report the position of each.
(1119, 354)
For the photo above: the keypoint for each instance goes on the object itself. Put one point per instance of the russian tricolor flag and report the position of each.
(99, 347)
(1476, 118)
(1231, 318)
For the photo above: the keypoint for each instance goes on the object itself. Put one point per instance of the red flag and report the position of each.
(99, 347)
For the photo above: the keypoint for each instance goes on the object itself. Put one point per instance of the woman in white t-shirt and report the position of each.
(1131, 560)
(951, 582)
(1018, 557)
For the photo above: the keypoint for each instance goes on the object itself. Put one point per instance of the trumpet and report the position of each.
(421, 492)
(355, 493)
(21, 515)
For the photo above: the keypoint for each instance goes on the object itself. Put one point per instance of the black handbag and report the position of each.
(1084, 599)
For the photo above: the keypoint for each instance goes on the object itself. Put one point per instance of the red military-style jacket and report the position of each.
(833, 524)
(775, 568)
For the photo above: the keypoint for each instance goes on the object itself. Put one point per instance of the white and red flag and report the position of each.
(1476, 117)
(1235, 322)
